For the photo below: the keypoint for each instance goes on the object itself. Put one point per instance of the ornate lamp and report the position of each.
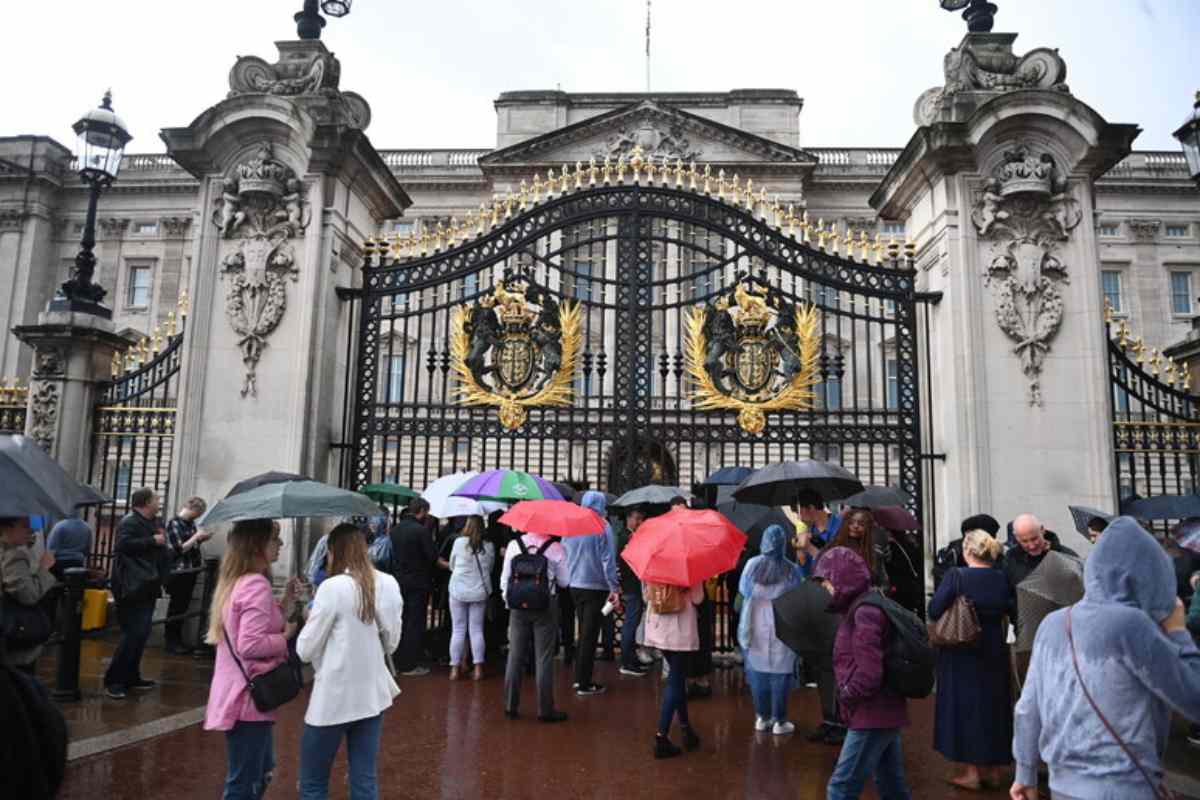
(309, 21)
(980, 14)
(1189, 136)
(102, 137)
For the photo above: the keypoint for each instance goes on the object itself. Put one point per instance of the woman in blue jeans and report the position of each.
(354, 621)
(874, 716)
(672, 628)
(769, 662)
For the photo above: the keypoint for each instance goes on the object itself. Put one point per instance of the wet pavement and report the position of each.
(451, 740)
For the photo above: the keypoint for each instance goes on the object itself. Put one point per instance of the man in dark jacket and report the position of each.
(183, 540)
(414, 552)
(951, 555)
(1029, 541)
(136, 587)
(631, 598)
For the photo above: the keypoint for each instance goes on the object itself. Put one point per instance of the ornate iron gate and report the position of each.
(1155, 419)
(133, 429)
(675, 275)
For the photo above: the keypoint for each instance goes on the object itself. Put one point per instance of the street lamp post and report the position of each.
(980, 14)
(101, 137)
(309, 21)
(1189, 136)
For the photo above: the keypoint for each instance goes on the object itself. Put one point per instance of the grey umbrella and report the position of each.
(1082, 515)
(652, 495)
(1165, 506)
(878, 497)
(291, 500)
(35, 485)
(777, 484)
(1056, 583)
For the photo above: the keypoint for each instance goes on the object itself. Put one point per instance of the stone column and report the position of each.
(997, 185)
(290, 188)
(72, 355)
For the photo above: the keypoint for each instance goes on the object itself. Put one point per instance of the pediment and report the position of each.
(659, 129)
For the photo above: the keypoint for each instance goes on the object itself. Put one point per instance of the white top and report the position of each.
(352, 680)
(556, 554)
(471, 573)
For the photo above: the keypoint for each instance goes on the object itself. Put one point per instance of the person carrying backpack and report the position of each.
(535, 569)
(873, 712)
(672, 627)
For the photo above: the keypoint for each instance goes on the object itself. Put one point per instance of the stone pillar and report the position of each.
(72, 355)
(997, 187)
(290, 188)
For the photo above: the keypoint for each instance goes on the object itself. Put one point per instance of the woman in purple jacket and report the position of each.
(873, 715)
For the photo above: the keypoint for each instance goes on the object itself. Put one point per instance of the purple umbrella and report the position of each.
(507, 486)
(1188, 535)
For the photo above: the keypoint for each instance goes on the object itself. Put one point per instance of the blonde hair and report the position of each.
(247, 544)
(981, 545)
(348, 547)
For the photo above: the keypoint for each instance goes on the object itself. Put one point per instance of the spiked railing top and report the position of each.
(1149, 359)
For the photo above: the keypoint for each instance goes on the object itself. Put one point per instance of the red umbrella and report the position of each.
(684, 547)
(895, 518)
(553, 518)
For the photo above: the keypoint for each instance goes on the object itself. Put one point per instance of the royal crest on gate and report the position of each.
(752, 352)
(515, 349)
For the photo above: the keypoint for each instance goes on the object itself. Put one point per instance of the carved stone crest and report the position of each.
(752, 352)
(262, 206)
(516, 349)
(305, 70)
(1145, 230)
(656, 139)
(1026, 212)
(43, 414)
(49, 362)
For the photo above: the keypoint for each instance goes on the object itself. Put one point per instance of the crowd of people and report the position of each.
(1090, 697)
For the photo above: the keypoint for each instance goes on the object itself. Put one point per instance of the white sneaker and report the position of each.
(782, 728)
(761, 724)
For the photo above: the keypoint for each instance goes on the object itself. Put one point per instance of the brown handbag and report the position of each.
(959, 625)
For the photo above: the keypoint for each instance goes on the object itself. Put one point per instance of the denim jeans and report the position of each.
(318, 747)
(770, 692)
(674, 702)
(250, 751)
(125, 667)
(629, 628)
(866, 753)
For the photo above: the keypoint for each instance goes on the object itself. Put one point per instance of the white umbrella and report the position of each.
(443, 505)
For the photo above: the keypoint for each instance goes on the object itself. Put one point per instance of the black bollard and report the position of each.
(70, 622)
(205, 651)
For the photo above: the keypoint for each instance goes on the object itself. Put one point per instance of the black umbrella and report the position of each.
(878, 497)
(724, 477)
(263, 480)
(801, 621)
(1164, 506)
(566, 490)
(35, 485)
(778, 484)
(651, 495)
(1082, 515)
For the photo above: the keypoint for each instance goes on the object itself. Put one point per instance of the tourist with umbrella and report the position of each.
(673, 555)
(631, 598)
(859, 533)
(769, 662)
(594, 581)
(1029, 544)
(25, 580)
(535, 570)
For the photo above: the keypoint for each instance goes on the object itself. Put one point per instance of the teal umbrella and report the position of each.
(293, 499)
(389, 493)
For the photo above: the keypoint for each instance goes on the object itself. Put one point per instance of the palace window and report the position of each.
(145, 228)
(1177, 231)
(892, 229)
(470, 285)
(1181, 293)
(123, 485)
(1110, 229)
(892, 368)
(1110, 284)
(140, 280)
(404, 227)
(395, 378)
(828, 394)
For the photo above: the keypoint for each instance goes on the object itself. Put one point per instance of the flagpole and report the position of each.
(647, 46)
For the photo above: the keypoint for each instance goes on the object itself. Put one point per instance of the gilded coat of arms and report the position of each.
(515, 349)
(752, 352)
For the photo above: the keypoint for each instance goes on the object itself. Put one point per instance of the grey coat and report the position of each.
(25, 583)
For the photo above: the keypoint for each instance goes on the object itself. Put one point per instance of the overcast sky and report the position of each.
(430, 70)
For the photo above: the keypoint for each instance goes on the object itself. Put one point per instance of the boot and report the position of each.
(663, 748)
(691, 741)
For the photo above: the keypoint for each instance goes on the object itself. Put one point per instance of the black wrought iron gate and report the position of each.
(637, 254)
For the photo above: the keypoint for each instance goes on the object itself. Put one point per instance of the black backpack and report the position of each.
(529, 579)
(34, 757)
(908, 658)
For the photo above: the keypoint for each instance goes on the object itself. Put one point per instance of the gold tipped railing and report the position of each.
(1150, 360)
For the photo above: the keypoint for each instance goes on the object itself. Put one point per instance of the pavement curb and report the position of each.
(138, 733)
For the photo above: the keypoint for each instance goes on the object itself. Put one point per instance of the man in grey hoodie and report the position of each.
(592, 561)
(1136, 660)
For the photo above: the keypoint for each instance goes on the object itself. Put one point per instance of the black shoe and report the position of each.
(177, 649)
(634, 670)
(143, 685)
(204, 653)
(512, 713)
(116, 692)
(819, 734)
(663, 748)
(690, 740)
(553, 716)
(606, 657)
(590, 689)
(835, 736)
(697, 691)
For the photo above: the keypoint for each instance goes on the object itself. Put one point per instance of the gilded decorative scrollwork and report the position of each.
(516, 349)
(752, 352)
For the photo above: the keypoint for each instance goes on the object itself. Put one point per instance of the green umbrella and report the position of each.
(290, 500)
(389, 492)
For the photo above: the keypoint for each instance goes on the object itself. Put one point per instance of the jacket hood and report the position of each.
(847, 572)
(774, 541)
(595, 501)
(1129, 567)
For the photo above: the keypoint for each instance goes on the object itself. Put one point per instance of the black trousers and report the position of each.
(134, 619)
(566, 622)
(588, 604)
(180, 588)
(412, 629)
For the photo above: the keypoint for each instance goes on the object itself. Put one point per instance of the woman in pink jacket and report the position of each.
(671, 626)
(245, 615)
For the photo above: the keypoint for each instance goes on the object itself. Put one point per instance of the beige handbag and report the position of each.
(959, 625)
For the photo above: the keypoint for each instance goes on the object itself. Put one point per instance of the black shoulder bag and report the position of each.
(492, 610)
(276, 686)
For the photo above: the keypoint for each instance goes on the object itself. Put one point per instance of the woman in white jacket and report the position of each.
(354, 622)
